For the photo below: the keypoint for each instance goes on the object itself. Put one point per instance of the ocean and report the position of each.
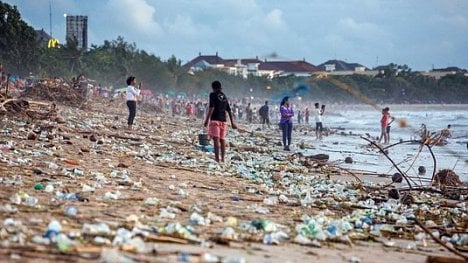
(353, 121)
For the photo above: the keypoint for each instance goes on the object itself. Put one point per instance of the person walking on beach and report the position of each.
(265, 115)
(286, 123)
(215, 119)
(132, 95)
(307, 115)
(318, 121)
(383, 125)
(249, 113)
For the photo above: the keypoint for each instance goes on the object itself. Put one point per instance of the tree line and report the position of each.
(109, 64)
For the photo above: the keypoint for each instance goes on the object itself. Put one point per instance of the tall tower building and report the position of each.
(77, 29)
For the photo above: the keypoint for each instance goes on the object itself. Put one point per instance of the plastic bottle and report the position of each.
(71, 211)
(77, 171)
(38, 187)
(229, 233)
(197, 219)
(209, 258)
(16, 199)
(271, 201)
(63, 242)
(49, 188)
(233, 260)
(231, 221)
(53, 230)
(53, 166)
(31, 201)
(274, 238)
(87, 188)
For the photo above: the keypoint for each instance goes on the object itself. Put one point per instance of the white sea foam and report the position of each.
(362, 120)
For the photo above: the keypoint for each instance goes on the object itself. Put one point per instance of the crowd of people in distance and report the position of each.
(258, 111)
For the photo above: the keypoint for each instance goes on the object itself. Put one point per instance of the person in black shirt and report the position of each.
(265, 115)
(216, 118)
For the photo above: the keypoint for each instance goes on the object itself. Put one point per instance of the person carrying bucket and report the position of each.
(215, 119)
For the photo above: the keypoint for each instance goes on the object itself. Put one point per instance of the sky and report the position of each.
(419, 33)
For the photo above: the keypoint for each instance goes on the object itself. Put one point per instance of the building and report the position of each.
(77, 30)
(299, 68)
(339, 65)
(251, 66)
(439, 73)
(341, 68)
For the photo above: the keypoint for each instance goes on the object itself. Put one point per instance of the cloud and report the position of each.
(360, 30)
(182, 25)
(417, 32)
(274, 20)
(133, 15)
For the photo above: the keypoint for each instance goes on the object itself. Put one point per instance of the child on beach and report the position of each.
(286, 123)
(132, 96)
(318, 112)
(384, 121)
(392, 119)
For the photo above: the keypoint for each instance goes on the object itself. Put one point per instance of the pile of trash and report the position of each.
(57, 91)
(85, 188)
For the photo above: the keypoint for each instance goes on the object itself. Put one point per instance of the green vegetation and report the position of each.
(112, 61)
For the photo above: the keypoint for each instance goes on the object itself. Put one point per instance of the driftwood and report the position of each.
(438, 259)
(31, 109)
(437, 240)
(167, 239)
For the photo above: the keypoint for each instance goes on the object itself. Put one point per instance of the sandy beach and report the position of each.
(150, 180)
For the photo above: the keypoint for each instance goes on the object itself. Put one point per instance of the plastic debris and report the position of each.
(71, 211)
(275, 238)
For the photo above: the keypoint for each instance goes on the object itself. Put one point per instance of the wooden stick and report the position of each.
(168, 239)
(438, 259)
(390, 159)
(437, 240)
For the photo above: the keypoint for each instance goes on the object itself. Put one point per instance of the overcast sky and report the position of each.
(419, 33)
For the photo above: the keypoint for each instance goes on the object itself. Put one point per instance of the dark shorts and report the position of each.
(318, 126)
(388, 129)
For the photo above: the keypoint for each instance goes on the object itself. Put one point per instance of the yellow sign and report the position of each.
(53, 43)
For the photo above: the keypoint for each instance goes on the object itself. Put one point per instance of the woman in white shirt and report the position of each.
(132, 94)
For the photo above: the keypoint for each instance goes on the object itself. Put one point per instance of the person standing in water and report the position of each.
(286, 122)
(132, 96)
(216, 119)
(391, 119)
(383, 125)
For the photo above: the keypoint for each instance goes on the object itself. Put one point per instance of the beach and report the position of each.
(176, 204)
